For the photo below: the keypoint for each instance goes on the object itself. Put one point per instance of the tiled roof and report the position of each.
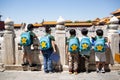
(105, 20)
(78, 24)
(118, 17)
(17, 25)
(37, 25)
(115, 12)
(49, 23)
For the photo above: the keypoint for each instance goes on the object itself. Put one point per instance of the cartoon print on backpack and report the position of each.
(45, 42)
(73, 45)
(99, 45)
(25, 39)
(85, 44)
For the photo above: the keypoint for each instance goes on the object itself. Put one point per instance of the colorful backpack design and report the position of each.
(25, 39)
(85, 44)
(99, 45)
(45, 43)
(73, 45)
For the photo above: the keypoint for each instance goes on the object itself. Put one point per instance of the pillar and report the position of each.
(113, 36)
(60, 39)
(9, 42)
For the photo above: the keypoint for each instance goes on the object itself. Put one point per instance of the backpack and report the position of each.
(99, 45)
(85, 44)
(73, 45)
(25, 39)
(45, 43)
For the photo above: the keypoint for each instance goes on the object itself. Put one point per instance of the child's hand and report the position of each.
(55, 51)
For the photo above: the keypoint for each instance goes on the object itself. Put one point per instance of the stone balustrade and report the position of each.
(11, 53)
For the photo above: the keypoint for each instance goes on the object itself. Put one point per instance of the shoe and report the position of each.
(33, 65)
(25, 64)
(97, 70)
(102, 71)
(75, 73)
(70, 72)
(46, 71)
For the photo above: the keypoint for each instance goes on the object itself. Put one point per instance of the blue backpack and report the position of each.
(73, 45)
(25, 39)
(45, 43)
(99, 45)
(85, 44)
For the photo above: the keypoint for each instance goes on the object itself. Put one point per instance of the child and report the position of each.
(27, 58)
(72, 48)
(47, 46)
(85, 47)
(99, 48)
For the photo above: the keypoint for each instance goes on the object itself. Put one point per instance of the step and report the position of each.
(65, 67)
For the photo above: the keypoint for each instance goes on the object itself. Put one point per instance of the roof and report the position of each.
(116, 12)
(85, 24)
(105, 20)
(37, 25)
(68, 21)
(97, 20)
(17, 25)
(49, 23)
(118, 17)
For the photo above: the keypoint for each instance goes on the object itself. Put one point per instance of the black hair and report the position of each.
(99, 32)
(84, 31)
(72, 32)
(47, 29)
(30, 27)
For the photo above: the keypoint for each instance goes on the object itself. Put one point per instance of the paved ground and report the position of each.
(40, 75)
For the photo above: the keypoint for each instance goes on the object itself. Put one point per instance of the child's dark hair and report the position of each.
(47, 29)
(72, 32)
(30, 27)
(84, 31)
(99, 32)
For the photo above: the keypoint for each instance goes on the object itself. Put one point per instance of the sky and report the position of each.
(32, 11)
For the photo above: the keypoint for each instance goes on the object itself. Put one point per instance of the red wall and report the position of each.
(2, 25)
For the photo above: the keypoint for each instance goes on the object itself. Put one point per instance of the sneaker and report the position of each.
(46, 71)
(25, 64)
(97, 70)
(102, 71)
(75, 73)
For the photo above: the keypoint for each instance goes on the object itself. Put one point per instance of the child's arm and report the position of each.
(66, 49)
(53, 45)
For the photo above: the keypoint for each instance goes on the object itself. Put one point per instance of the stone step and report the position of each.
(65, 67)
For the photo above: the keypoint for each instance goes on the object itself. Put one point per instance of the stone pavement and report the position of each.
(40, 75)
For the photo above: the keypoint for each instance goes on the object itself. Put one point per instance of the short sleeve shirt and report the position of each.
(67, 42)
(51, 37)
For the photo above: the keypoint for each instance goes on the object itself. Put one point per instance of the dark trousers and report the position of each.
(47, 60)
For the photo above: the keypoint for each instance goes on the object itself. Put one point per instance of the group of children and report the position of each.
(47, 47)
(83, 46)
(74, 47)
